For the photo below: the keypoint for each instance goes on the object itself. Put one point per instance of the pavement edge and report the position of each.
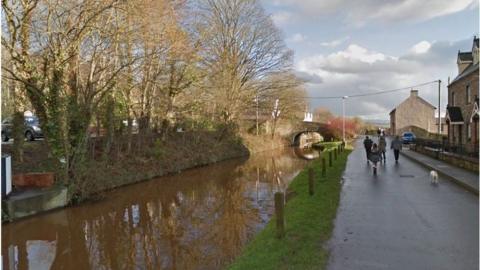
(452, 178)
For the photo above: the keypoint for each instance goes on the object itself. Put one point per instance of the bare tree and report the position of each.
(241, 47)
(85, 62)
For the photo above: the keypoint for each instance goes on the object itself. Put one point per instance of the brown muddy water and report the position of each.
(197, 219)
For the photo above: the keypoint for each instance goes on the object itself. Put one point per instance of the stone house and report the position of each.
(413, 111)
(462, 107)
(443, 126)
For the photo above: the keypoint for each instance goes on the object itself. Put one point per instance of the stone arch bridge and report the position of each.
(308, 133)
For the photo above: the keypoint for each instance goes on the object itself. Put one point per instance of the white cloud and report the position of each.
(357, 70)
(334, 43)
(419, 10)
(281, 18)
(356, 52)
(360, 12)
(297, 38)
(421, 47)
(353, 60)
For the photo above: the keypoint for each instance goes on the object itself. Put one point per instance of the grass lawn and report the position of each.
(327, 145)
(309, 224)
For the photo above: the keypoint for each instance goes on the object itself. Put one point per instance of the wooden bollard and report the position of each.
(280, 213)
(330, 163)
(324, 167)
(311, 187)
(335, 153)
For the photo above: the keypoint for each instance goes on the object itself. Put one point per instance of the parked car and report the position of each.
(408, 137)
(134, 125)
(32, 129)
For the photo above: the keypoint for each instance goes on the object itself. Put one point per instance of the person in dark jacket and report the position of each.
(375, 157)
(367, 143)
(396, 145)
(382, 147)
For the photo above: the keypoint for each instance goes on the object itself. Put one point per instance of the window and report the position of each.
(453, 99)
(469, 131)
(7, 121)
(468, 99)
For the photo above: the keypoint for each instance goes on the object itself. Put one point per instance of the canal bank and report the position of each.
(199, 218)
(309, 223)
(178, 153)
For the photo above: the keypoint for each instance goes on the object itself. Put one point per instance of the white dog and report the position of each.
(434, 177)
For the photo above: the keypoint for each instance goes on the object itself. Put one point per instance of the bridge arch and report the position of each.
(305, 138)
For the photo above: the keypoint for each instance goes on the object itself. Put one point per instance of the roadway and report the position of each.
(399, 220)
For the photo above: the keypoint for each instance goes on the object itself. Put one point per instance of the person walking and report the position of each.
(396, 145)
(382, 145)
(375, 157)
(367, 143)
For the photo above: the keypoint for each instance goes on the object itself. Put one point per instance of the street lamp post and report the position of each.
(439, 115)
(343, 118)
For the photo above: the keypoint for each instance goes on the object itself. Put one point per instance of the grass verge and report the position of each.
(309, 224)
(327, 145)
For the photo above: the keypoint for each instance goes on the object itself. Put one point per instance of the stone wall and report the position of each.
(467, 163)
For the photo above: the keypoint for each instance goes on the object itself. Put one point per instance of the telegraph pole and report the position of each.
(439, 116)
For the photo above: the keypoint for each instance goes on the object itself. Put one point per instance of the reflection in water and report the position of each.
(198, 219)
(306, 153)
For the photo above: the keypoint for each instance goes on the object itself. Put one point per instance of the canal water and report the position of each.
(198, 219)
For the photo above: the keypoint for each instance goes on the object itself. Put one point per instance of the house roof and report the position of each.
(417, 98)
(469, 70)
(425, 102)
(465, 56)
(454, 114)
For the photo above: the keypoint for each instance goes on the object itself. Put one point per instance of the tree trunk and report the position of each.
(110, 126)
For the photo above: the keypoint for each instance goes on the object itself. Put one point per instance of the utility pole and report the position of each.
(439, 116)
(343, 118)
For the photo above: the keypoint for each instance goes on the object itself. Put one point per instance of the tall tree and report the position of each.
(66, 64)
(241, 47)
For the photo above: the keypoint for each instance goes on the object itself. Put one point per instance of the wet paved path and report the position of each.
(398, 220)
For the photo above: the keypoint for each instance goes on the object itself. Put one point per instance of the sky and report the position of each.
(347, 47)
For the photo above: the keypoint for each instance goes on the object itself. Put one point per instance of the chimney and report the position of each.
(414, 93)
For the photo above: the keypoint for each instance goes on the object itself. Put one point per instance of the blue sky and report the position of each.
(344, 47)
